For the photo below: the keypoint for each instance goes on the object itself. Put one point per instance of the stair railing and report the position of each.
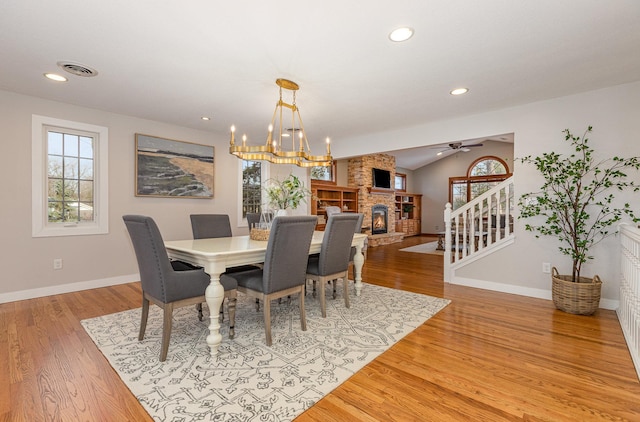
(482, 223)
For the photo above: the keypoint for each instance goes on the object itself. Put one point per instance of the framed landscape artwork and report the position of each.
(173, 169)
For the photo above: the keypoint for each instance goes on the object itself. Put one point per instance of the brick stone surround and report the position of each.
(360, 176)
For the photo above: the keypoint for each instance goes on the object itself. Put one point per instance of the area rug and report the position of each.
(428, 248)
(249, 381)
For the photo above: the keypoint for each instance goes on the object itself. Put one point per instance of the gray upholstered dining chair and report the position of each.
(332, 209)
(333, 261)
(284, 268)
(206, 226)
(168, 284)
(253, 218)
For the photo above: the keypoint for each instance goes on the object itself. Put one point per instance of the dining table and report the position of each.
(216, 255)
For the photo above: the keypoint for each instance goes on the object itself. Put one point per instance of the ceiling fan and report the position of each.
(457, 146)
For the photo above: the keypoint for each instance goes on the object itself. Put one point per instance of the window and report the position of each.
(70, 180)
(482, 175)
(324, 174)
(254, 174)
(400, 182)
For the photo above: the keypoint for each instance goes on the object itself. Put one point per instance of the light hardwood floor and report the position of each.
(486, 357)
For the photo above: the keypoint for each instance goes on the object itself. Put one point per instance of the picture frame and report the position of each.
(168, 168)
(324, 175)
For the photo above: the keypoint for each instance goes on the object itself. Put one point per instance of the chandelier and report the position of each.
(274, 150)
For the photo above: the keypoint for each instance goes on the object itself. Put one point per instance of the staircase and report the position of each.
(479, 227)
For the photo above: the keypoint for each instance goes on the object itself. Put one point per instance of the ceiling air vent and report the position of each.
(78, 69)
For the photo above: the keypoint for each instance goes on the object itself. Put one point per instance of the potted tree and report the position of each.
(576, 206)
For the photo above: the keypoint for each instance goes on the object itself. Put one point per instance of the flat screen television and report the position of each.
(381, 178)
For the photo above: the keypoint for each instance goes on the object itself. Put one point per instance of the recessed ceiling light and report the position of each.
(401, 34)
(206, 118)
(55, 77)
(439, 153)
(459, 91)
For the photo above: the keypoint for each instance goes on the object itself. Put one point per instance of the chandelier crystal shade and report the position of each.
(274, 150)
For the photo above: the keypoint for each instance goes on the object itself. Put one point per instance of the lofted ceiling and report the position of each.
(176, 61)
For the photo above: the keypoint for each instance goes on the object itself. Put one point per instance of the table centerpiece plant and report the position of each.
(286, 194)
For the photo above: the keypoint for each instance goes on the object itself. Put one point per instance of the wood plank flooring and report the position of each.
(488, 356)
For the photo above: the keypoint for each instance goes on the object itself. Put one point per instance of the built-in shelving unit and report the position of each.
(407, 209)
(337, 196)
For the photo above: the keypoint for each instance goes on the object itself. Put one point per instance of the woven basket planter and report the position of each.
(580, 298)
(259, 234)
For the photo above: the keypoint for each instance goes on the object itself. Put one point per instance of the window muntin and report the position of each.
(69, 178)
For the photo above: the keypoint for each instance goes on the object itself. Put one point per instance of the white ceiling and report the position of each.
(177, 61)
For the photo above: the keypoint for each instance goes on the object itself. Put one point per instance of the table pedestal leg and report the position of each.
(358, 262)
(214, 296)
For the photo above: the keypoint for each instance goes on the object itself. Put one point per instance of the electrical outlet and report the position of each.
(437, 227)
(57, 264)
(546, 267)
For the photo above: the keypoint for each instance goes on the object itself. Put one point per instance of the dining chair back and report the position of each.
(332, 209)
(333, 261)
(253, 218)
(168, 284)
(283, 273)
(206, 226)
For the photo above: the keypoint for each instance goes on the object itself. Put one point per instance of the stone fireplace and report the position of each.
(379, 219)
(360, 176)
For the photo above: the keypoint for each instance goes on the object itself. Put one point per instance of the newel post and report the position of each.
(447, 243)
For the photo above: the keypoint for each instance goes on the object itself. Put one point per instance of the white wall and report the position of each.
(613, 112)
(89, 261)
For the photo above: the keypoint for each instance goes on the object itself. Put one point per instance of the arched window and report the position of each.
(483, 174)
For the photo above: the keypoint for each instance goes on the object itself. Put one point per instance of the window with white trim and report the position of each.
(69, 178)
(253, 174)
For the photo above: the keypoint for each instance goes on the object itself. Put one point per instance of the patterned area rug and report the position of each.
(250, 381)
(428, 248)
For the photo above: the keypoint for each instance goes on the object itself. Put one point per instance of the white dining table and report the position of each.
(217, 254)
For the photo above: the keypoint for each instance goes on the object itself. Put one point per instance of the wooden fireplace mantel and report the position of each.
(380, 191)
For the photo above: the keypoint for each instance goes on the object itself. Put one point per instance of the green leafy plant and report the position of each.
(576, 199)
(287, 193)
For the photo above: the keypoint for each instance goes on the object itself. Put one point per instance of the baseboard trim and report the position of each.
(67, 288)
(522, 291)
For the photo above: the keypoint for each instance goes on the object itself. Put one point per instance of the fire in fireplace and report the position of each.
(379, 219)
